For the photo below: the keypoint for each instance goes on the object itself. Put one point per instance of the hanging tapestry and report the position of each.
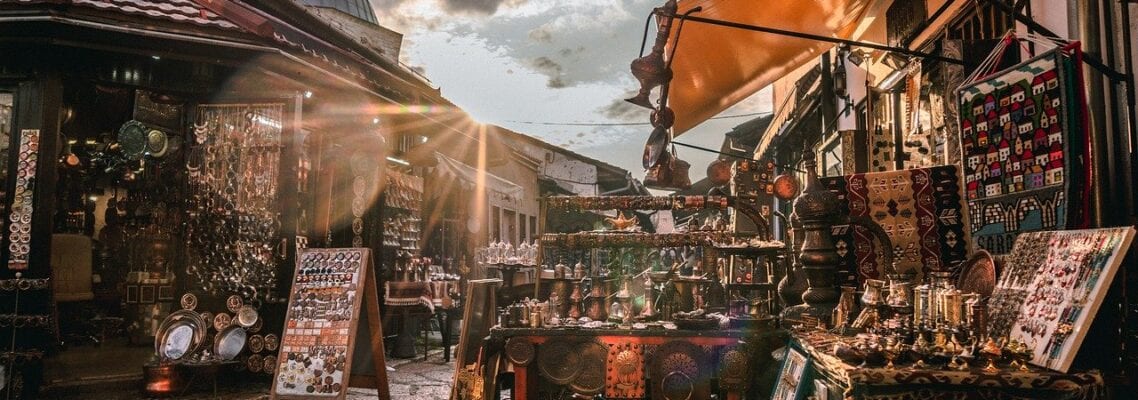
(1053, 285)
(921, 210)
(1020, 136)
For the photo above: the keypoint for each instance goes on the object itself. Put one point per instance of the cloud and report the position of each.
(621, 110)
(546, 66)
(541, 34)
(488, 7)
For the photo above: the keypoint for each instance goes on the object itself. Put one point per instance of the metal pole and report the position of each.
(1089, 24)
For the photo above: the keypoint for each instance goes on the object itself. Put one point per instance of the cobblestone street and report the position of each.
(416, 378)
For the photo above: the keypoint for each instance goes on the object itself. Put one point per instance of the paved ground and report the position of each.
(412, 379)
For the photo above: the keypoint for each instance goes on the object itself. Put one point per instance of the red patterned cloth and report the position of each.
(409, 294)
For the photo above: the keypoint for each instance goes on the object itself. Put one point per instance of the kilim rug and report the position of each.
(1020, 136)
(921, 210)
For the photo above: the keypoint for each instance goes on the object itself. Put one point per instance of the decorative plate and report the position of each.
(256, 343)
(271, 342)
(591, 379)
(157, 143)
(519, 351)
(786, 187)
(233, 303)
(133, 139)
(677, 372)
(229, 342)
(222, 321)
(247, 316)
(189, 301)
(979, 274)
(560, 362)
(179, 335)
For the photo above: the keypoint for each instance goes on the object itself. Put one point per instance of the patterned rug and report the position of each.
(921, 210)
(1017, 140)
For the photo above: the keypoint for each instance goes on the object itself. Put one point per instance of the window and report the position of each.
(511, 230)
(831, 156)
(524, 237)
(495, 223)
(533, 227)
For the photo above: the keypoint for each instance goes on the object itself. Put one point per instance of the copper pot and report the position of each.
(162, 380)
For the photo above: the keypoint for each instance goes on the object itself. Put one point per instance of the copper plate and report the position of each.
(519, 351)
(270, 364)
(677, 372)
(786, 187)
(189, 301)
(222, 321)
(560, 362)
(979, 274)
(591, 379)
(254, 363)
(271, 342)
(247, 316)
(233, 303)
(256, 343)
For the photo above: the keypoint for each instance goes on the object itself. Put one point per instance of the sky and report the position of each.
(535, 65)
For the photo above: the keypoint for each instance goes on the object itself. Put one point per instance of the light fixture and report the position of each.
(375, 120)
(308, 94)
(156, 57)
(398, 161)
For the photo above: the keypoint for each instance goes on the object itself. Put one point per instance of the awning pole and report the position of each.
(819, 38)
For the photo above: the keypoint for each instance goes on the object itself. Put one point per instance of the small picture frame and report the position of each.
(147, 296)
(165, 293)
(132, 294)
(792, 375)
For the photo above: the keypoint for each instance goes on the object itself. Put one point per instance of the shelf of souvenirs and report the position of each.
(504, 253)
(935, 325)
(731, 241)
(404, 192)
(401, 231)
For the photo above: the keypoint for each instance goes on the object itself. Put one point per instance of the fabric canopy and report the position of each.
(715, 66)
(468, 176)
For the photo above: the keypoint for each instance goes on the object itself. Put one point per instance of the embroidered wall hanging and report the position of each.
(1020, 135)
(921, 210)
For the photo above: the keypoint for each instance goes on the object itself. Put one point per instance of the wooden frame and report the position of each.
(332, 331)
(792, 382)
(479, 314)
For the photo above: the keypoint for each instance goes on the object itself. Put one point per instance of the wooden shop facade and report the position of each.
(164, 156)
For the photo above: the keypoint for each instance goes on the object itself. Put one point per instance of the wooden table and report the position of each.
(634, 364)
(854, 382)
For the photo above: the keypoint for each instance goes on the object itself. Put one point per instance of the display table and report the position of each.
(855, 382)
(411, 303)
(634, 363)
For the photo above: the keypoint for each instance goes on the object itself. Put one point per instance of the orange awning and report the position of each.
(716, 66)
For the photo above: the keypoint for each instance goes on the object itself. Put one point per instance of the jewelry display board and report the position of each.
(20, 218)
(234, 223)
(322, 325)
(1053, 285)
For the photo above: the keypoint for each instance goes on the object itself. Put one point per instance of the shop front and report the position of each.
(172, 161)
